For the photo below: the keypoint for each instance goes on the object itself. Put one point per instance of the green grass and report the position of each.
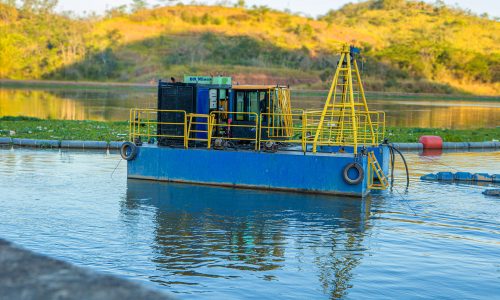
(33, 128)
(411, 135)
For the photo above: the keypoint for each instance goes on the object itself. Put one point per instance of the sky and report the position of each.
(308, 7)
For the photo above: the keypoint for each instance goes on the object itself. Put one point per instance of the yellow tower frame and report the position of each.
(340, 122)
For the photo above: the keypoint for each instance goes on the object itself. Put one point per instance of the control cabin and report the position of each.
(234, 112)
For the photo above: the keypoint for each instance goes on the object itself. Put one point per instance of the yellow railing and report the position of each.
(297, 127)
(339, 128)
(144, 124)
(198, 125)
(293, 131)
(220, 128)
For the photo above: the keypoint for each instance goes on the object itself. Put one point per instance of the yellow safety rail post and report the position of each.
(131, 124)
(211, 122)
(193, 119)
(304, 132)
(348, 122)
(185, 131)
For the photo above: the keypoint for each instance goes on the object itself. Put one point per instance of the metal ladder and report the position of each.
(375, 169)
(193, 120)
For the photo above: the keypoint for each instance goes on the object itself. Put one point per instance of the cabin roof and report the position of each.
(256, 87)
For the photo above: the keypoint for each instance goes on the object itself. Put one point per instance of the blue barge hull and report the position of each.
(284, 170)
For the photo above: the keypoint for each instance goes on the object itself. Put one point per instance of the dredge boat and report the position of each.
(207, 130)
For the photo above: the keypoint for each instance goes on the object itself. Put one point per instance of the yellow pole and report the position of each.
(343, 107)
(130, 125)
(327, 104)
(304, 124)
(186, 142)
(209, 129)
(351, 98)
(362, 91)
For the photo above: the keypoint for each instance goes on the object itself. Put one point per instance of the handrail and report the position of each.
(338, 129)
(196, 131)
(298, 127)
(290, 128)
(144, 123)
(217, 124)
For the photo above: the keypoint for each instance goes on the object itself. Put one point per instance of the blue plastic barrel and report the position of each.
(463, 176)
(445, 176)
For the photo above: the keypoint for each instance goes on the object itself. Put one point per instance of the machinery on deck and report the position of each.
(210, 113)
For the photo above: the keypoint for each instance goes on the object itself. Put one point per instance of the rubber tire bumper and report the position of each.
(361, 174)
(126, 155)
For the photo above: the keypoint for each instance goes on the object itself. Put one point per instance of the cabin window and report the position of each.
(240, 105)
(222, 94)
(263, 102)
(253, 105)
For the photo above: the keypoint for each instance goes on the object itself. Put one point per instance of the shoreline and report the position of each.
(54, 84)
(25, 274)
(108, 131)
(116, 145)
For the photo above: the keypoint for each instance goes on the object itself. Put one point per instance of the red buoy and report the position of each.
(431, 141)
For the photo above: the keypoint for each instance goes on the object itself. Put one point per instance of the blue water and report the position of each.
(436, 241)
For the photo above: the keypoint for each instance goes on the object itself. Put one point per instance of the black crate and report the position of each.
(174, 96)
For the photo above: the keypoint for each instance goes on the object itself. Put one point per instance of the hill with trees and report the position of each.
(406, 45)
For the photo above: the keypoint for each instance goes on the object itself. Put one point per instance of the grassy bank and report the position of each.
(33, 128)
(411, 135)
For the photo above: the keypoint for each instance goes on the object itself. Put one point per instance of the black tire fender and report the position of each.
(128, 151)
(357, 180)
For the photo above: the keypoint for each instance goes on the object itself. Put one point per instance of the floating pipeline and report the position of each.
(493, 192)
(116, 145)
(447, 146)
(436, 142)
(462, 177)
(60, 144)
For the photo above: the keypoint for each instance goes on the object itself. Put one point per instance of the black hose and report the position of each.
(404, 161)
(393, 158)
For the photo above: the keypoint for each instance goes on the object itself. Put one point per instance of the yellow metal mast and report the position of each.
(350, 113)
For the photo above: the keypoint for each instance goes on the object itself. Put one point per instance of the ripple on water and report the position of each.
(436, 241)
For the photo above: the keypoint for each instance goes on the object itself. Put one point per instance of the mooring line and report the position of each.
(404, 200)
(116, 167)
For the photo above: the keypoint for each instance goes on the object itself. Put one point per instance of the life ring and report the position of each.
(128, 151)
(357, 180)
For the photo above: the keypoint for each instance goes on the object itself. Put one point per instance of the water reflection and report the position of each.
(452, 114)
(114, 105)
(73, 104)
(223, 234)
